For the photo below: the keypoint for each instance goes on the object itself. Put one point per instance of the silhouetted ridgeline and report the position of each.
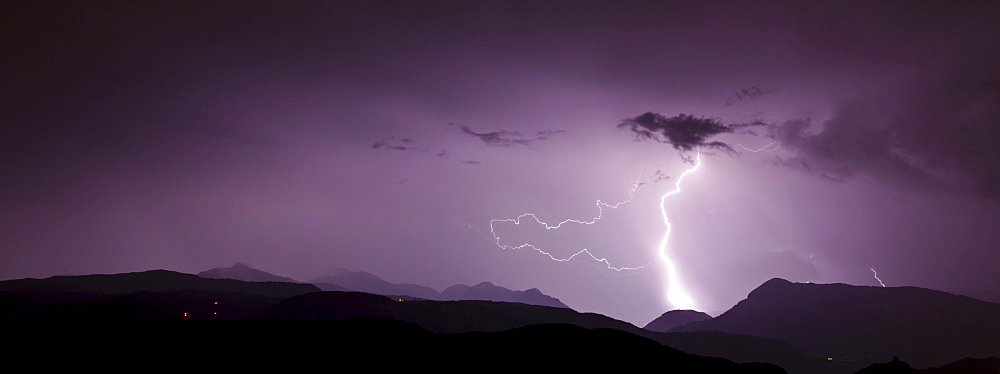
(341, 279)
(675, 318)
(180, 321)
(156, 314)
(152, 280)
(968, 365)
(244, 273)
(347, 280)
(856, 323)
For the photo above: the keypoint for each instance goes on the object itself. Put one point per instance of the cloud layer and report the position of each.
(938, 135)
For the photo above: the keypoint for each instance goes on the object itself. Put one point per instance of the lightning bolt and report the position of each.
(876, 277)
(675, 291)
(770, 147)
(600, 213)
(676, 294)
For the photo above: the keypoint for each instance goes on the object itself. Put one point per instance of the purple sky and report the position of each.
(383, 137)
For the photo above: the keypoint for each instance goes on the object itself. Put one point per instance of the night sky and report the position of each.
(299, 137)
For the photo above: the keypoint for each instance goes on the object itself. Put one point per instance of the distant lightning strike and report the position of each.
(600, 213)
(876, 277)
(770, 147)
(675, 291)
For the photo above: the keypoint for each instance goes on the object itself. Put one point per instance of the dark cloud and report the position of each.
(391, 143)
(659, 175)
(471, 162)
(684, 132)
(400, 144)
(750, 93)
(940, 134)
(545, 134)
(504, 138)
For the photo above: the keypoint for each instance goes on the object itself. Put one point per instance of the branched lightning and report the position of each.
(600, 213)
(675, 292)
(770, 147)
(876, 277)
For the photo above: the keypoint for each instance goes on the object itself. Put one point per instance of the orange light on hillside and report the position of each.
(185, 314)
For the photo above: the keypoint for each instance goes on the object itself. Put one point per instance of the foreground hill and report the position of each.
(273, 345)
(152, 280)
(148, 295)
(148, 300)
(156, 314)
(745, 348)
(437, 316)
(844, 322)
(968, 365)
(471, 316)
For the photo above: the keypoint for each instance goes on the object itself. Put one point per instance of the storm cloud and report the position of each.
(392, 143)
(938, 135)
(684, 132)
(504, 138)
(750, 93)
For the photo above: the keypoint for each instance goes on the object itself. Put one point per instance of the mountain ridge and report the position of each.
(846, 322)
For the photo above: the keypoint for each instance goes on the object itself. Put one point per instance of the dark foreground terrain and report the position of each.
(168, 320)
(334, 345)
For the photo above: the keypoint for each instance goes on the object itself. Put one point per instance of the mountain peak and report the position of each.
(674, 318)
(830, 319)
(775, 282)
(773, 286)
(240, 271)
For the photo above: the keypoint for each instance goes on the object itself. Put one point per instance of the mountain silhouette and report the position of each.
(148, 295)
(489, 291)
(865, 324)
(148, 301)
(347, 280)
(366, 282)
(152, 280)
(892, 367)
(674, 318)
(968, 365)
(244, 273)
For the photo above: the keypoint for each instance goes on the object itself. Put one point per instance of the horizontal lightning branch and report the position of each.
(600, 213)
(770, 147)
